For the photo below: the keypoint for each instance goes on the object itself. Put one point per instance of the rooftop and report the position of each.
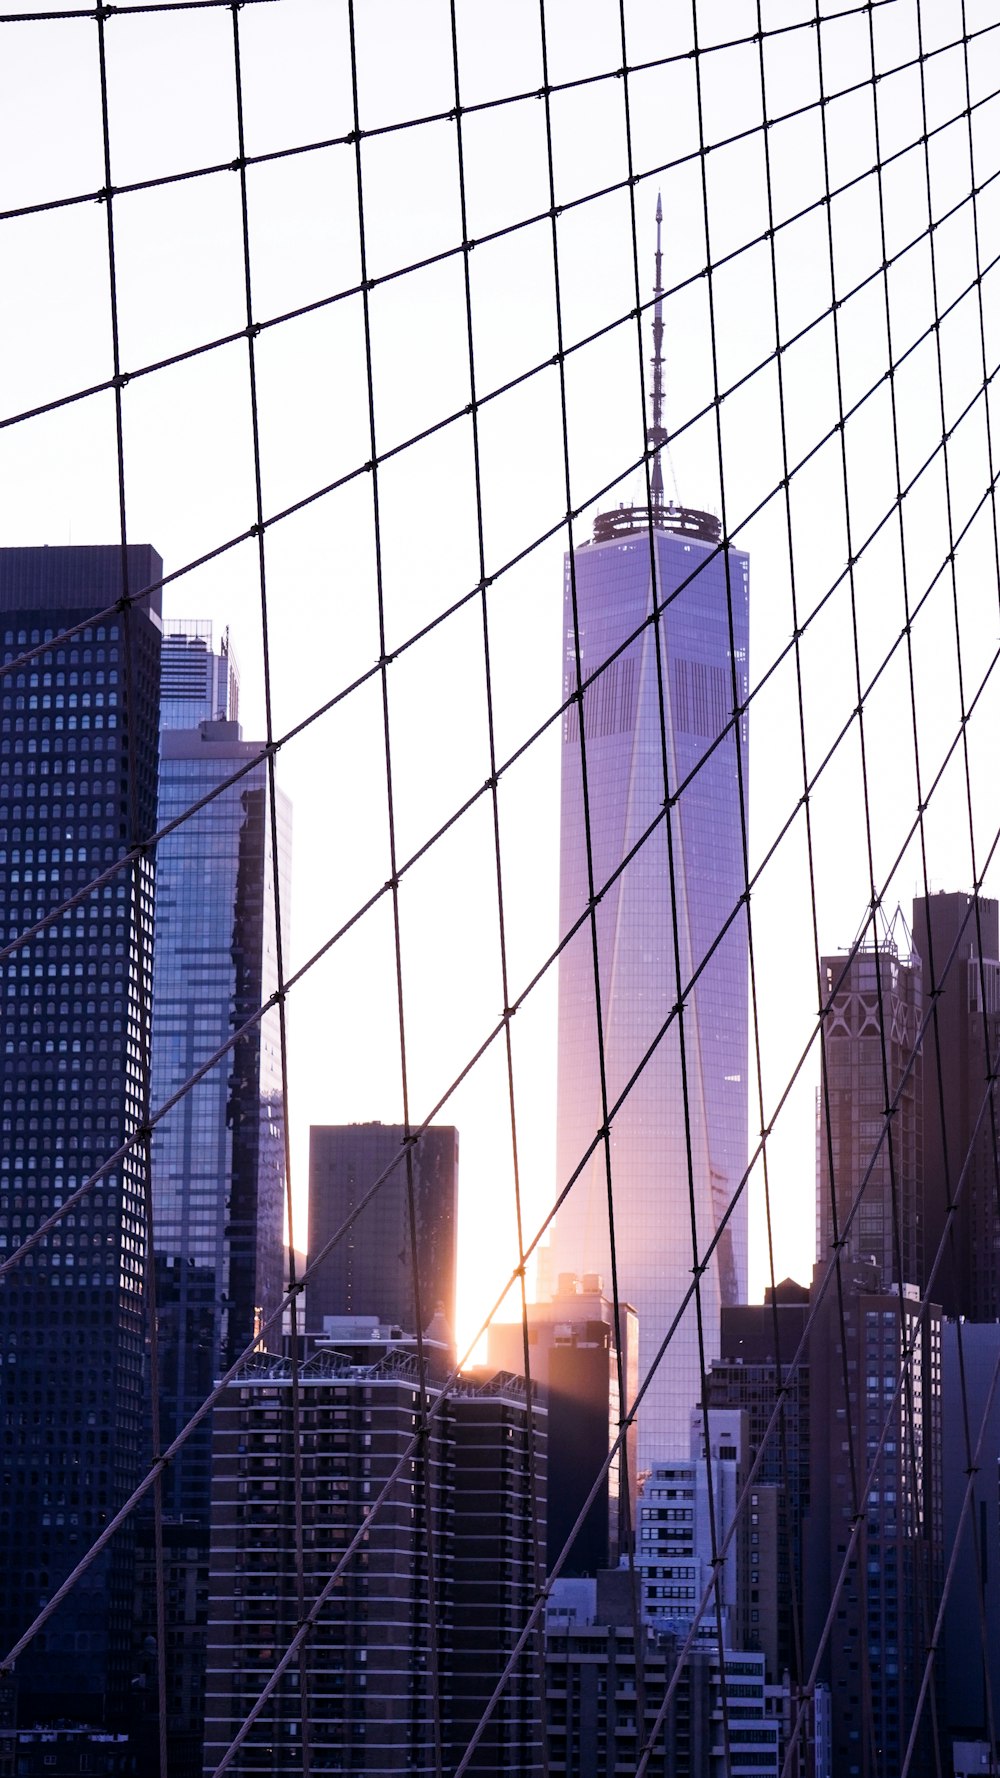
(684, 521)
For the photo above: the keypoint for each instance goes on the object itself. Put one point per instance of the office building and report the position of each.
(219, 1154)
(972, 1614)
(886, 1592)
(654, 772)
(198, 683)
(370, 1271)
(758, 1343)
(870, 1036)
(958, 939)
(78, 764)
(686, 1509)
(419, 1625)
(573, 1357)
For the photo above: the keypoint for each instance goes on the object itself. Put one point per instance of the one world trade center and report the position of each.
(653, 989)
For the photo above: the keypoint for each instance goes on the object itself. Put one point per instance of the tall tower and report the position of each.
(218, 1155)
(77, 791)
(958, 940)
(653, 760)
(869, 1036)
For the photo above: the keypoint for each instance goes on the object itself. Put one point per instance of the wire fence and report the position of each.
(582, 418)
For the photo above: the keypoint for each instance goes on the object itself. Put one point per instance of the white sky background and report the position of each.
(189, 473)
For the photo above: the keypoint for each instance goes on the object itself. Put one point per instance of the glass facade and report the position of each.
(218, 1155)
(654, 727)
(78, 728)
(870, 1033)
(197, 682)
(371, 1271)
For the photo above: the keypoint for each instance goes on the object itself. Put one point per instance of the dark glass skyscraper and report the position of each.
(370, 1271)
(657, 610)
(869, 1036)
(78, 734)
(218, 1155)
(959, 946)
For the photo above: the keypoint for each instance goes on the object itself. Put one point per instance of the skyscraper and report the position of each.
(870, 1032)
(887, 1605)
(417, 1630)
(370, 1271)
(958, 940)
(218, 1155)
(198, 683)
(77, 790)
(653, 766)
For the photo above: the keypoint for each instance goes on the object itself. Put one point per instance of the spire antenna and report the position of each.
(656, 434)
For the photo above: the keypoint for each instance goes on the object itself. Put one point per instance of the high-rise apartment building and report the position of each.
(219, 1154)
(606, 1681)
(654, 776)
(873, 1062)
(78, 763)
(370, 1271)
(574, 1358)
(958, 940)
(419, 1625)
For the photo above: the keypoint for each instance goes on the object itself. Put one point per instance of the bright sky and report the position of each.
(189, 470)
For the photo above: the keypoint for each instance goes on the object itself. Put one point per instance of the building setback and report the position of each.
(650, 719)
(370, 1270)
(419, 1625)
(78, 761)
(198, 683)
(573, 1357)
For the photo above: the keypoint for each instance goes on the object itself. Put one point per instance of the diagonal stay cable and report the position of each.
(531, 1390)
(373, 132)
(280, 1008)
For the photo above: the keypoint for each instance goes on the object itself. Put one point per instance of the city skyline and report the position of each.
(347, 307)
(189, 486)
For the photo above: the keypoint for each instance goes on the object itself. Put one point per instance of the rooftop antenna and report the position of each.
(656, 434)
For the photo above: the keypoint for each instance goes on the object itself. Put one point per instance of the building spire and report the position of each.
(656, 434)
